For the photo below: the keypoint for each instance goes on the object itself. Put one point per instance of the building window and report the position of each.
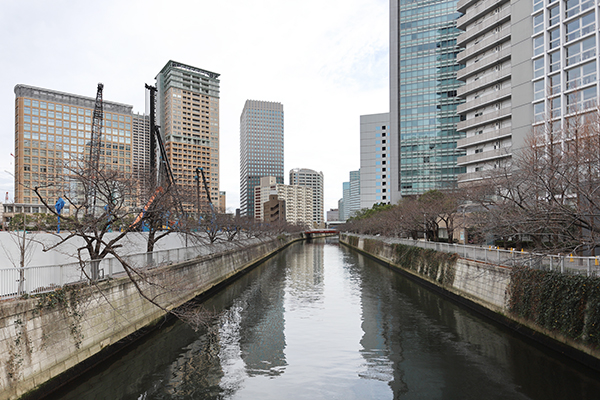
(538, 45)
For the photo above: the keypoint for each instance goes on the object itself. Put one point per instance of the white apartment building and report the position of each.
(527, 63)
(314, 180)
(298, 200)
(486, 114)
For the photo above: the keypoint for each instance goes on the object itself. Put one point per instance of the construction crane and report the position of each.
(94, 162)
(160, 167)
(213, 220)
(200, 172)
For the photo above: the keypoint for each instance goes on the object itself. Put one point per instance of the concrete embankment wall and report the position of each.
(43, 337)
(486, 288)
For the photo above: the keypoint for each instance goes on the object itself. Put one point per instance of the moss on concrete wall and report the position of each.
(42, 337)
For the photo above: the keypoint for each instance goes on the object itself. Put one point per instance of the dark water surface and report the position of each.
(321, 322)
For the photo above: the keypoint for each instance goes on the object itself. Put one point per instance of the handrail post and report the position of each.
(589, 267)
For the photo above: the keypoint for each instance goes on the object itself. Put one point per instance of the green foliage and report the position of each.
(437, 266)
(566, 304)
(51, 300)
(34, 222)
(67, 300)
(366, 213)
(353, 241)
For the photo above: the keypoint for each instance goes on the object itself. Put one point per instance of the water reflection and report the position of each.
(321, 322)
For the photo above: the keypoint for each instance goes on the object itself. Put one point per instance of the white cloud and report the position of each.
(327, 62)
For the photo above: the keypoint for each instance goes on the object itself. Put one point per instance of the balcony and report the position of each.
(492, 97)
(483, 8)
(483, 46)
(484, 156)
(473, 32)
(483, 64)
(484, 138)
(474, 176)
(488, 80)
(463, 5)
(503, 113)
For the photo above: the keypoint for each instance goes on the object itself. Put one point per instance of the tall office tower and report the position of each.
(423, 88)
(342, 202)
(373, 144)
(140, 132)
(314, 180)
(189, 119)
(261, 148)
(53, 129)
(354, 198)
(349, 204)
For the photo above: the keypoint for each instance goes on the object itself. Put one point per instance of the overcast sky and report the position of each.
(326, 61)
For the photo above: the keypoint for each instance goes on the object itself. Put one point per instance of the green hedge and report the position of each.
(566, 304)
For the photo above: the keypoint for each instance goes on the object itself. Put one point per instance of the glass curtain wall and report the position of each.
(427, 95)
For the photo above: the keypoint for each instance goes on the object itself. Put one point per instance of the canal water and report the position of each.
(319, 321)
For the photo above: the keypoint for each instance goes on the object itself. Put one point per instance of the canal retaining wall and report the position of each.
(567, 320)
(43, 337)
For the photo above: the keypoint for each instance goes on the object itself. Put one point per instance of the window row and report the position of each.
(573, 30)
(577, 101)
(51, 107)
(44, 136)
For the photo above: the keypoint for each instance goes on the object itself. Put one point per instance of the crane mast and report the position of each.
(160, 167)
(94, 163)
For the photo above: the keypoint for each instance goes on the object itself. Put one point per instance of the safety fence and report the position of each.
(565, 263)
(30, 280)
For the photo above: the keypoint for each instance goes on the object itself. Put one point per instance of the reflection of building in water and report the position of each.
(197, 367)
(305, 273)
(256, 331)
(381, 342)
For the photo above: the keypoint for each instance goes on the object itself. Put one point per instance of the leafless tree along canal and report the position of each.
(319, 321)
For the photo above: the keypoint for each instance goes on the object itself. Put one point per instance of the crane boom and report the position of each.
(205, 185)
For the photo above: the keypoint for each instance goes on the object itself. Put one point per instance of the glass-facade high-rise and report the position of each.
(261, 148)
(423, 97)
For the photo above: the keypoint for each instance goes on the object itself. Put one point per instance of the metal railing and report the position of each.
(566, 263)
(16, 282)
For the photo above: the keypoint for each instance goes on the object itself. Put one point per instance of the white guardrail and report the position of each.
(15, 282)
(565, 263)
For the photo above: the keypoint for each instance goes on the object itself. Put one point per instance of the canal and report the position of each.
(319, 321)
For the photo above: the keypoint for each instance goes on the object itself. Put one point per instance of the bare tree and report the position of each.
(550, 197)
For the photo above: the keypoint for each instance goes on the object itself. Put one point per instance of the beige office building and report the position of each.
(189, 119)
(53, 130)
